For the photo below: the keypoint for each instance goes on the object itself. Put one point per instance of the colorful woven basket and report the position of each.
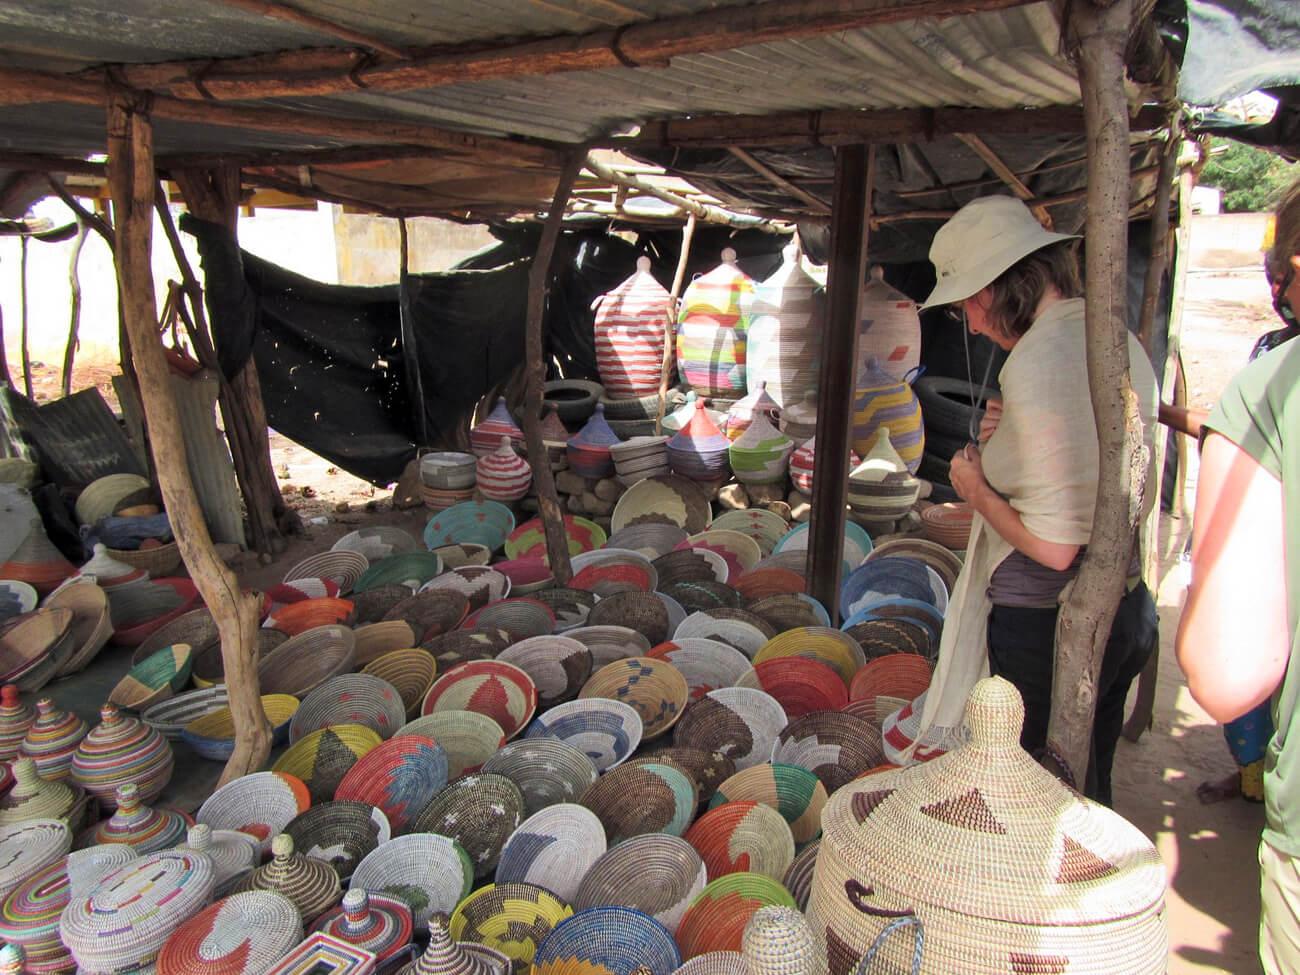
(431, 874)
(260, 804)
(792, 791)
(154, 679)
(399, 776)
(800, 685)
(140, 610)
(212, 735)
(767, 580)
(342, 567)
(478, 811)
(784, 340)
(609, 570)
(350, 699)
(716, 963)
(409, 672)
(379, 924)
(28, 847)
(715, 314)
(170, 717)
(654, 797)
(233, 854)
(664, 500)
(835, 746)
(447, 470)
(31, 797)
(477, 583)
(740, 836)
(376, 639)
(656, 689)
(340, 833)
(304, 662)
(243, 934)
(705, 664)
(321, 759)
(323, 954)
(461, 646)
(707, 769)
(650, 539)
(654, 873)
(307, 614)
(588, 449)
(761, 453)
(312, 886)
(546, 770)
(377, 542)
(553, 848)
(716, 919)
(746, 635)
(486, 436)
(738, 722)
(629, 334)
(137, 825)
(485, 523)
(503, 475)
(16, 719)
(468, 738)
(610, 643)
(699, 451)
(118, 750)
(52, 740)
(765, 527)
(882, 401)
(559, 666)
(459, 555)
(694, 595)
(618, 940)
(898, 676)
(502, 691)
(881, 637)
(790, 611)
(513, 918)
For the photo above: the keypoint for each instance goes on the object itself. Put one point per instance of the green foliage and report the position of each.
(1251, 179)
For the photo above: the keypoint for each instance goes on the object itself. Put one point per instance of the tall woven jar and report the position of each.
(118, 750)
(1050, 882)
(629, 327)
(761, 454)
(503, 475)
(891, 327)
(699, 451)
(486, 437)
(711, 326)
(880, 400)
(16, 718)
(588, 449)
(784, 343)
(799, 420)
(52, 740)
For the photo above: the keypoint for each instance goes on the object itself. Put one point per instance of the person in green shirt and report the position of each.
(1237, 640)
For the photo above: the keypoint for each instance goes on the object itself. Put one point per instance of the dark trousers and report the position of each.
(1022, 649)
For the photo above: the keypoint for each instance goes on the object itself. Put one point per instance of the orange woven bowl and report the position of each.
(802, 685)
(899, 675)
(307, 614)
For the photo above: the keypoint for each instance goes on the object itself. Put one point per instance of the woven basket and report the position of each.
(936, 556)
(716, 963)
(654, 873)
(612, 939)
(778, 941)
(100, 497)
(409, 672)
(528, 541)
(559, 666)
(502, 691)
(1049, 880)
(307, 614)
(344, 568)
(743, 836)
(664, 500)
(651, 540)
(479, 811)
(209, 668)
(155, 679)
(512, 918)
(260, 804)
(350, 699)
(520, 617)
(321, 759)
(161, 560)
(244, 934)
(340, 833)
(553, 848)
(460, 555)
(136, 825)
(212, 735)
(91, 625)
(948, 524)
(527, 576)
(399, 776)
(371, 606)
(485, 523)
(748, 635)
(830, 646)
(30, 797)
(636, 799)
(376, 639)
(657, 690)
(304, 662)
(16, 717)
(835, 746)
(477, 583)
(790, 611)
(431, 613)
(447, 470)
(706, 664)
(886, 680)
(377, 542)
(312, 886)
(28, 847)
(716, 919)
(233, 854)
(461, 646)
(379, 924)
(431, 874)
(118, 750)
(798, 877)
(881, 637)
(52, 740)
(546, 770)
(610, 643)
(691, 564)
(765, 527)
(799, 685)
(708, 769)
(792, 791)
(34, 647)
(570, 606)
(468, 738)
(740, 552)
(740, 723)
(694, 595)
(170, 717)
(770, 581)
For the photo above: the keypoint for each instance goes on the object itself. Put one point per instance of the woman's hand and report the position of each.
(967, 475)
(989, 421)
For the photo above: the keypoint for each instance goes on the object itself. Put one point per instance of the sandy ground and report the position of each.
(1213, 902)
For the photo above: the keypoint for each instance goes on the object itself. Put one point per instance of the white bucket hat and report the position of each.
(983, 239)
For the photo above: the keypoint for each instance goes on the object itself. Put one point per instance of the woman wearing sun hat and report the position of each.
(1032, 482)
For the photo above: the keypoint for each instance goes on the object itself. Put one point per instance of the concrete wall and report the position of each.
(368, 247)
(1229, 240)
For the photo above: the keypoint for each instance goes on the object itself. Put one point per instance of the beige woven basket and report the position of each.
(1049, 881)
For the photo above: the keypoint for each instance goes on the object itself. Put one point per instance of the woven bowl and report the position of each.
(340, 833)
(410, 672)
(158, 561)
(399, 776)
(738, 722)
(377, 542)
(765, 527)
(708, 769)
(943, 560)
(570, 606)
(91, 624)
(212, 735)
(716, 919)
(512, 918)
(432, 874)
(447, 470)
(902, 676)
(747, 634)
(362, 699)
(461, 646)
(486, 523)
(100, 497)
(654, 872)
(743, 835)
(520, 617)
(480, 812)
(553, 848)
(643, 797)
(460, 555)
(528, 541)
(431, 613)
(610, 643)
(739, 550)
(607, 731)
(799, 685)
(789, 611)
(376, 639)
(209, 669)
(665, 500)
(640, 611)
(343, 567)
(16, 598)
(502, 691)
(307, 614)
(546, 770)
(559, 666)
(304, 662)
(827, 645)
(478, 583)
(34, 647)
(881, 637)
(799, 875)
(616, 939)
(650, 540)
(468, 738)
(246, 932)
(260, 804)
(948, 524)
(412, 569)
(706, 664)
(371, 606)
(170, 717)
(608, 571)
(796, 793)
(155, 679)
(656, 689)
(322, 758)
(694, 595)
(688, 564)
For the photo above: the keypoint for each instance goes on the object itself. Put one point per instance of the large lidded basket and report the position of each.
(1049, 881)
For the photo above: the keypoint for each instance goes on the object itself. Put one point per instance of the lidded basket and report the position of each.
(785, 338)
(52, 740)
(502, 474)
(629, 333)
(486, 437)
(122, 749)
(588, 449)
(137, 825)
(312, 885)
(881, 399)
(749, 408)
(1050, 881)
(16, 719)
(381, 925)
(699, 450)
(32, 797)
(715, 315)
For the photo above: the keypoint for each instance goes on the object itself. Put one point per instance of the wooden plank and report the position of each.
(776, 179)
(846, 270)
(1006, 174)
(291, 15)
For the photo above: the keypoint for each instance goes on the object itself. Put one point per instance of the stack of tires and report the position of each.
(951, 413)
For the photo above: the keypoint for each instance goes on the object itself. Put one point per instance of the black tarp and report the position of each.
(1237, 46)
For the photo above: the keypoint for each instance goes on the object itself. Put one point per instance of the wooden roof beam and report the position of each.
(292, 15)
(648, 44)
(1006, 174)
(776, 179)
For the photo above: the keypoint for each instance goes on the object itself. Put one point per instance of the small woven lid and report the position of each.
(312, 885)
(1028, 849)
(32, 797)
(232, 853)
(778, 941)
(447, 957)
(138, 825)
(379, 924)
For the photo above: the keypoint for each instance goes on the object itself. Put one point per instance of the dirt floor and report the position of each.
(1213, 902)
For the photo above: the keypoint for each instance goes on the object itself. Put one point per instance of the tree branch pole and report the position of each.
(74, 313)
(1083, 625)
(410, 345)
(855, 171)
(132, 183)
(23, 243)
(539, 276)
(290, 15)
(670, 323)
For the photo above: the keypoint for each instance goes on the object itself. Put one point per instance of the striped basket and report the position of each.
(716, 919)
(170, 717)
(154, 679)
(399, 776)
(835, 746)
(468, 738)
(486, 437)
(798, 877)
(244, 934)
(636, 799)
(883, 400)
(546, 770)
(705, 664)
(612, 939)
(891, 327)
(379, 924)
(743, 835)
(16, 718)
(792, 791)
(137, 825)
(341, 833)
(410, 672)
(52, 740)
(118, 750)
(312, 886)
(699, 451)
(558, 666)
(712, 321)
(654, 872)
(785, 336)
(350, 699)
(232, 853)
(801, 685)
(629, 329)
(512, 918)
(502, 474)
(739, 722)
(212, 735)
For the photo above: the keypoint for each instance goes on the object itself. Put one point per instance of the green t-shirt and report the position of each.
(1260, 413)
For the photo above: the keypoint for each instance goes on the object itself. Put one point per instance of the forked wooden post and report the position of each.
(132, 182)
(539, 276)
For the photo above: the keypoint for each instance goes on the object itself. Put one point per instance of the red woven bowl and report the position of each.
(770, 581)
(802, 685)
(502, 691)
(904, 676)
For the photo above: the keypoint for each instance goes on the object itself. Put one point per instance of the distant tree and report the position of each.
(1251, 179)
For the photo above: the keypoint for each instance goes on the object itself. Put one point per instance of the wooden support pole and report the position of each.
(846, 270)
(132, 182)
(670, 322)
(1158, 259)
(291, 15)
(25, 352)
(539, 276)
(1005, 173)
(410, 346)
(74, 311)
(1091, 599)
(776, 179)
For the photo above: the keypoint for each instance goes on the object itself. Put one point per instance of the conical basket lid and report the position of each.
(1027, 849)
(32, 797)
(700, 433)
(596, 432)
(882, 462)
(761, 435)
(137, 825)
(756, 402)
